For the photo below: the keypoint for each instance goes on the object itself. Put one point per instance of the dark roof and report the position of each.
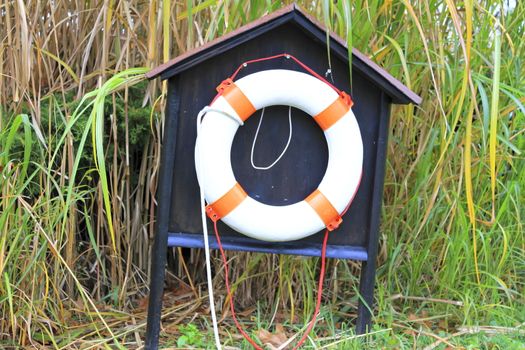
(393, 87)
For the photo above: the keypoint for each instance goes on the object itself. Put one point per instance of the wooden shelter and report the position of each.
(192, 78)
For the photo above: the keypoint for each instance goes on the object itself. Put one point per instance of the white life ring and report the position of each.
(230, 203)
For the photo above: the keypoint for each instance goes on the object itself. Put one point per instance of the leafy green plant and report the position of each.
(190, 335)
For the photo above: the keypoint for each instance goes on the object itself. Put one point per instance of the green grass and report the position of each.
(79, 157)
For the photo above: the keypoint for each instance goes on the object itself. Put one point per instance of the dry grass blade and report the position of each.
(24, 45)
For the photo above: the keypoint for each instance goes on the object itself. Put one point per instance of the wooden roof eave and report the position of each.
(398, 92)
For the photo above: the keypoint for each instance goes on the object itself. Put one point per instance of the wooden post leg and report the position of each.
(160, 245)
(366, 297)
(156, 291)
(368, 267)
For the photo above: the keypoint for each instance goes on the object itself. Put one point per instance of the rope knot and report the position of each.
(346, 99)
(224, 85)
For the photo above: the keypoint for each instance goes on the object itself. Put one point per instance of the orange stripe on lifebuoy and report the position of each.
(238, 100)
(331, 114)
(324, 209)
(224, 205)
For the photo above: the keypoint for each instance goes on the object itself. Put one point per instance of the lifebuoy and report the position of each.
(230, 203)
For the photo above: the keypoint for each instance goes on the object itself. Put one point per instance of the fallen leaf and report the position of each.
(275, 339)
(142, 303)
(247, 312)
(181, 289)
(409, 332)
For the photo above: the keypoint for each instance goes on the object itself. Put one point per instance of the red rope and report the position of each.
(232, 308)
(319, 293)
(286, 55)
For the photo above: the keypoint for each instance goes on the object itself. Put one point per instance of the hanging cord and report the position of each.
(287, 56)
(230, 294)
(211, 109)
(205, 225)
(319, 292)
(341, 93)
(285, 147)
(206, 244)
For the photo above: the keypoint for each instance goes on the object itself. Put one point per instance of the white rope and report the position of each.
(211, 109)
(285, 147)
(205, 225)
